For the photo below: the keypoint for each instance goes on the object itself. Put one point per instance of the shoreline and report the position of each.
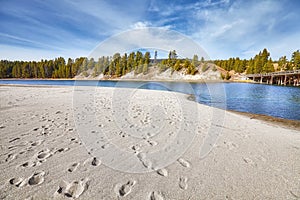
(144, 80)
(286, 123)
(122, 80)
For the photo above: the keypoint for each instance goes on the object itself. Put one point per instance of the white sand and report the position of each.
(143, 145)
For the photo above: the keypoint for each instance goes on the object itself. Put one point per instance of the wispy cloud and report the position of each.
(242, 27)
(224, 28)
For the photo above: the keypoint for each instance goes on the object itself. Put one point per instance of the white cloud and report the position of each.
(223, 27)
(241, 28)
(138, 25)
(28, 41)
(209, 3)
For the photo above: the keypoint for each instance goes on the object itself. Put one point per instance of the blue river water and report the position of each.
(276, 101)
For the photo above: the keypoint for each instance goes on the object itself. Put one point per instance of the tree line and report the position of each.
(115, 66)
(111, 66)
(260, 63)
(137, 62)
(56, 68)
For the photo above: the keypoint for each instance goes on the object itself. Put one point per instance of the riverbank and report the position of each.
(286, 123)
(122, 80)
(46, 154)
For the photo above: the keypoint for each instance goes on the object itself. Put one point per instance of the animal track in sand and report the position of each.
(184, 163)
(93, 161)
(18, 182)
(74, 141)
(105, 146)
(162, 172)
(231, 145)
(248, 161)
(183, 183)
(13, 140)
(44, 154)
(156, 196)
(26, 164)
(73, 189)
(125, 189)
(32, 163)
(36, 178)
(96, 162)
(73, 167)
(60, 150)
(152, 143)
(37, 143)
(146, 162)
(10, 157)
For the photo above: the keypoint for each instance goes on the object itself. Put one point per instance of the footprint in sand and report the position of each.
(183, 183)
(37, 143)
(124, 190)
(36, 178)
(18, 182)
(73, 189)
(143, 158)
(10, 157)
(73, 167)
(152, 143)
(13, 140)
(162, 172)
(248, 161)
(231, 145)
(60, 150)
(26, 164)
(184, 163)
(44, 154)
(92, 161)
(156, 196)
(96, 162)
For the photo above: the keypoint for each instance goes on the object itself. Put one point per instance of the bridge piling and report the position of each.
(280, 78)
(271, 81)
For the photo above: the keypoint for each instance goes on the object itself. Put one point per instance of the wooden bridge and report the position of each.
(279, 78)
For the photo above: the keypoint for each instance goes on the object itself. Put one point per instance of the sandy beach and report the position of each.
(107, 143)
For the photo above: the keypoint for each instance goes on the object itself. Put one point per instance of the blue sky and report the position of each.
(36, 29)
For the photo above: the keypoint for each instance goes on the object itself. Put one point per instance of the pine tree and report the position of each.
(195, 61)
(177, 65)
(84, 66)
(91, 63)
(295, 60)
(124, 64)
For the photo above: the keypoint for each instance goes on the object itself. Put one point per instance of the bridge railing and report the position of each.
(275, 73)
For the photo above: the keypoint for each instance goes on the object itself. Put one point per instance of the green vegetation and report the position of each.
(113, 66)
(204, 67)
(44, 69)
(226, 76)
(118, 65)
(261, 63)
(176, 64)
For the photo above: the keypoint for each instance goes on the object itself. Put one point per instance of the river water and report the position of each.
(276, 101)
